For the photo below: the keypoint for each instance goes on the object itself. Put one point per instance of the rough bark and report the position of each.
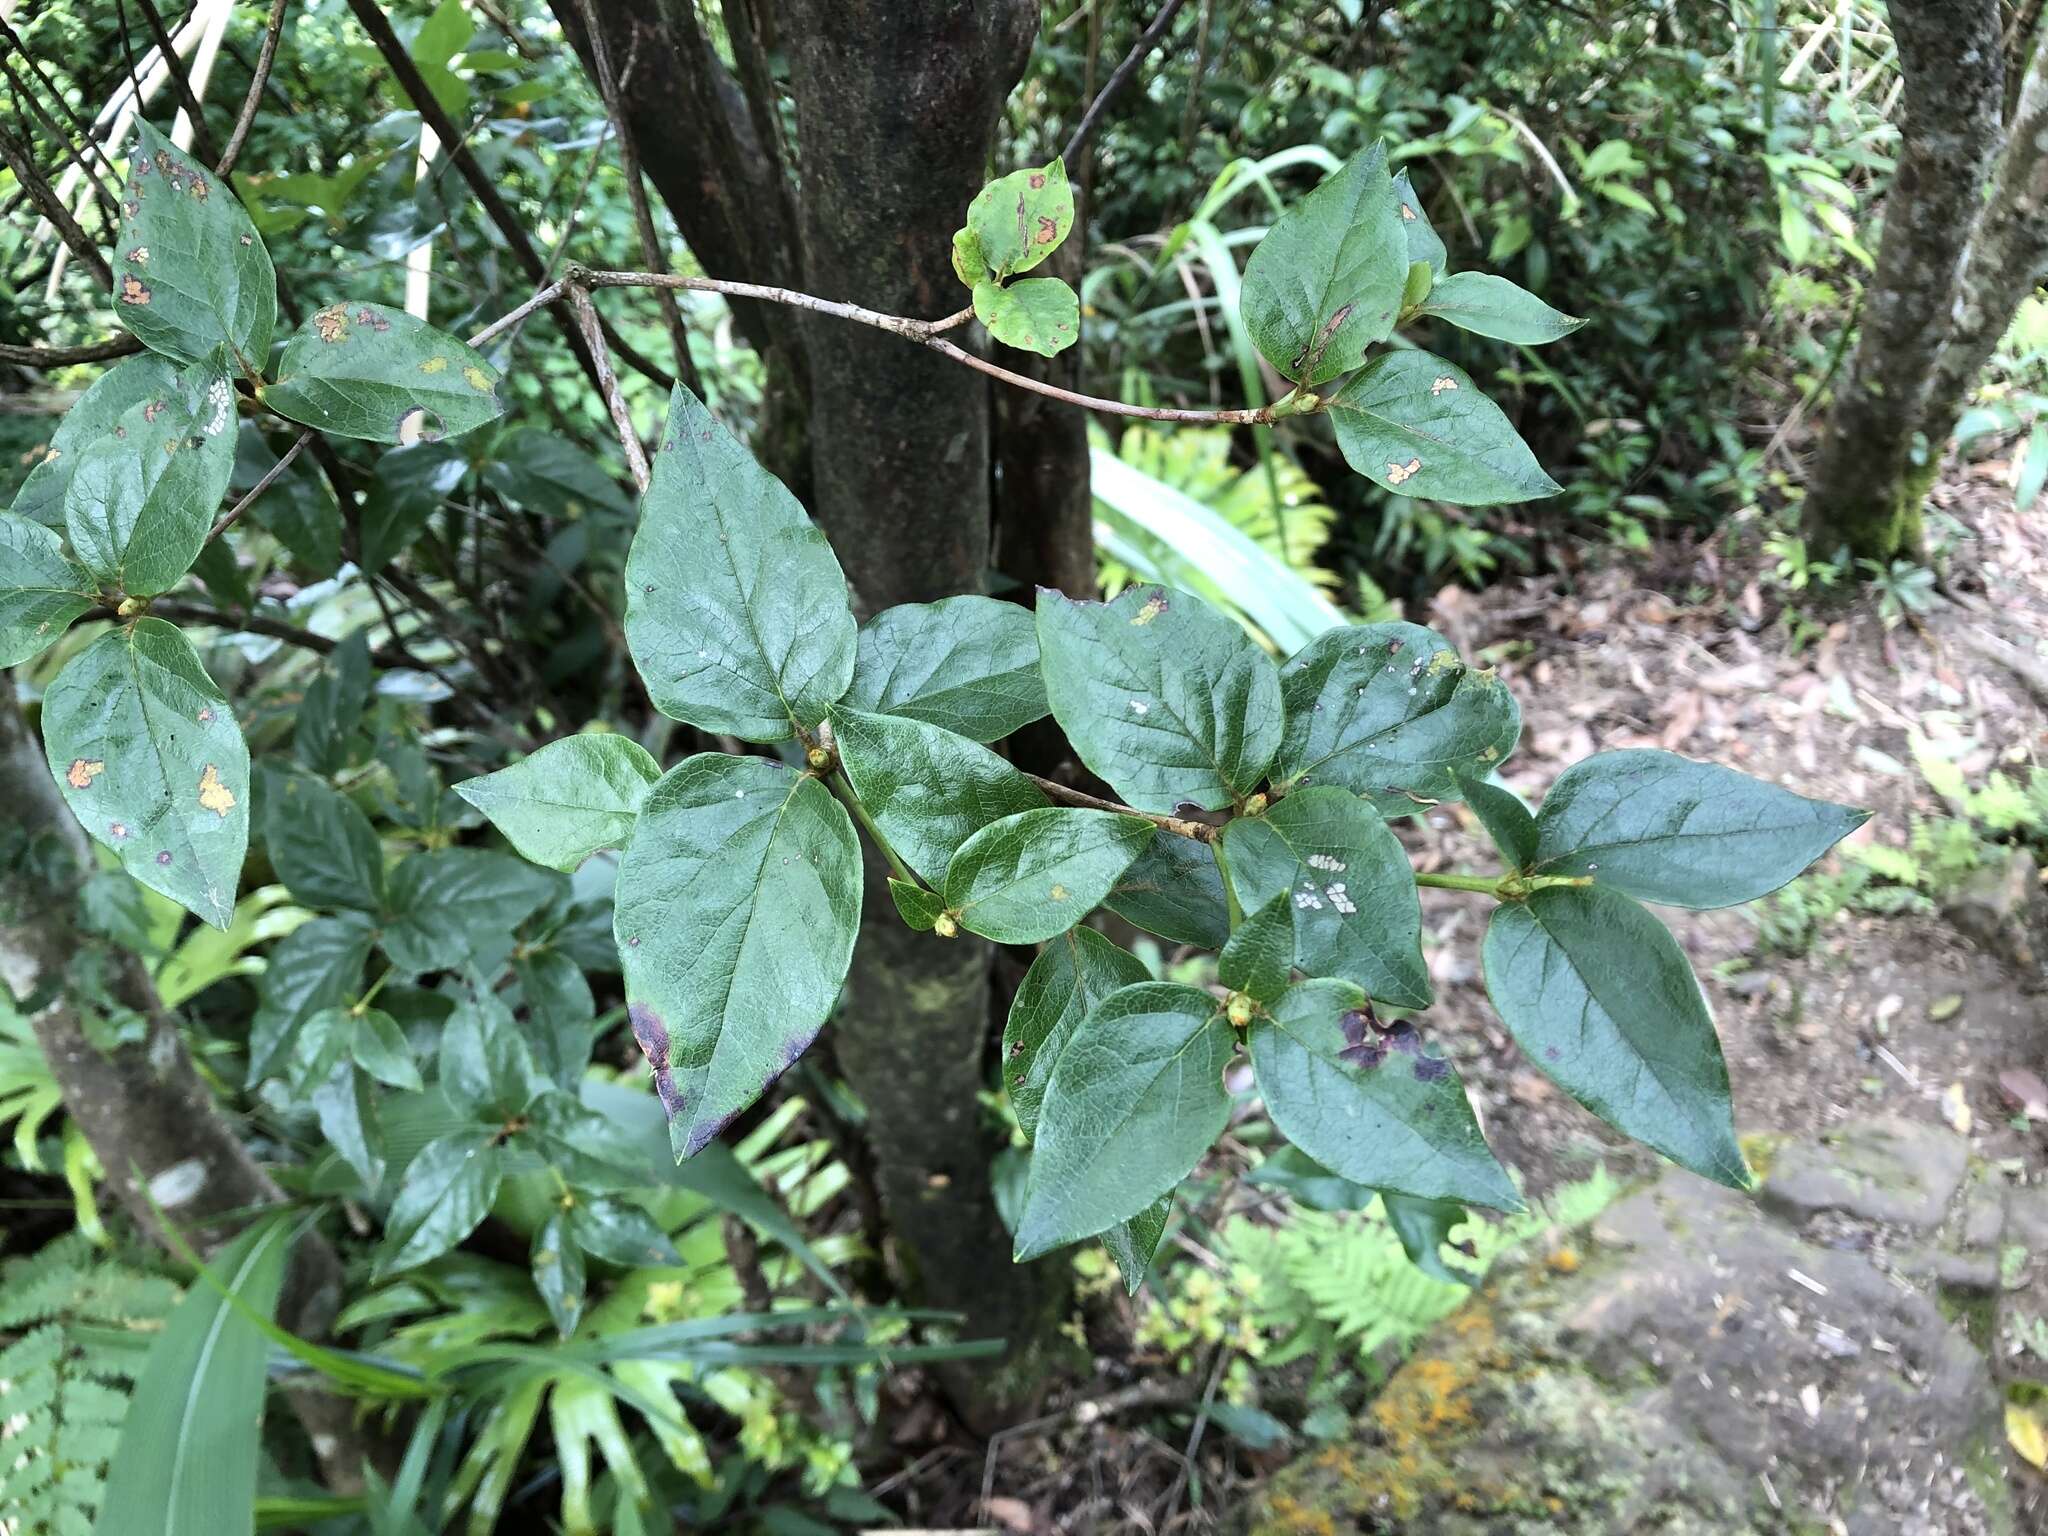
(1044, 513)
(142, 1107)
(1862, 494)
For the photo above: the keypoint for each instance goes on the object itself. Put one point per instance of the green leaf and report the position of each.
(1073, 973)
(1175, 890)
(918, 907)
(454, 906)
(1016, 221)
(41, 590)
(297, 507)
(322, 847)
(558, 1273)
(486, 1067)
(445, 1193)
(736, 609)
(366, 371)
(1423, 245)
(191, 1440)
(569, 799)
(1037, 873)
(1325, 283)
(738, 900)
(1133, 1243)
(1492, 306)
(1307, 1182)
(149, 758)
(380, 1049)
(1664, 828)
(1035, 314)
(620, 1232)
(1506, 819)
(321, 1044)
(1418, 426)
(142, 499)
(348, 1122)
(1160, 695)
(333, 706)
(1391, 712)
(1371, 1104)
(1424, 1226)
(1259, 959)
(1136, 1097)
(317, 965)
(191, 277)
(92, 416)
(966, 664)
(1356, 912)
(1602, 1001)
(927, 789)
(969, 265)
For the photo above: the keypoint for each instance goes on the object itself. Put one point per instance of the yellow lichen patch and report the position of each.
(83, 771)
(1396, 473)
(434, 365)
(1154, 606)
(478, 380)
(331, 323)
(1443, 383)
(1565, 1261)
(214, 795)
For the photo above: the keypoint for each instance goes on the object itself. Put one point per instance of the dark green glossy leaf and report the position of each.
(1307, 1182)
(1325, 283)
(322, 847)
(558, 1273)
(1601, 1000)
(736, 609)
(452, 906)
(297, 508)
(738, 900)
(928, 790)
(1034, 314)
(486, 1067)
(918, 907)
(321, 1044)
(1423, 244)
(1175, 890)
(1389, 711)
(409, 487)
(445, 1192)
(333, 706)
(41, 590)
(569, 799)
(1259, 959)
(1134, 1243)
(1071, 975)
(1136, 1098)
(92, 416)
(1664, 828)
(561, 1012)
(1036, 874)
(1492, 306)
(348, 1122)
(967, 664)
(1371, 1104)
(546, 473)
(1018, 220)
(1160, 695)
(380, 1049)
(620, 1232)
(149, 758)
(1424, 1226)
(191, 278)
(366, 371)
(1506, 819)
(1356, 913)
(1419, 426)
(317, 965)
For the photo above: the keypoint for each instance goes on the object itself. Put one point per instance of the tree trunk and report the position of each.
(1873, 465)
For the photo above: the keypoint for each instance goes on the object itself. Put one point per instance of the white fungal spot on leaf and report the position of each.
(1397, 473)
(1443, 383)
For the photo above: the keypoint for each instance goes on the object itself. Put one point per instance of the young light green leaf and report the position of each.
(1136, 1097)
(736, 609)
(1018, 220)
(919, 908)
(927, 789)
(561, 804)
(348, 1122)
(1134, 1243)
(41, 589)
(1664, 828)
(1418, 426)
(1602, 1000)
(321, 846)
(1034, 314)
(317, 965)
(445, 1192)
(1325, 283)
(1492, 306)
(1259, 959)
(191, 277)
(1071, 975)
(379, 1048)
(1356, 912)
(1391, 712)
(1175, 890)
(558, 1273)
(142, 500)
(1160, 695)
(969, 265)
(149, 758)
(1033, 875)
(1422, 241)
(362, 370)
(738, 900)
(92, 416)
(966, 664)
(1506, 819)
(1371, 1104)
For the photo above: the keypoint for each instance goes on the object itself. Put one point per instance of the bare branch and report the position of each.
(261, 77)
(608, 385)
(18, 160)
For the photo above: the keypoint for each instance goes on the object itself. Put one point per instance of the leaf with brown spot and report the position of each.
(83, 771)
(399, 380)
(1014, 223)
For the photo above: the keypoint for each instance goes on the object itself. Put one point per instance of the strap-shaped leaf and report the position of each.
(1664, 828)
(1492, 306)
(191, 276)
(1175, 890)
(1030, 876)
(1259, 959)
(738, 900)
(1325, 283)
(1419, 426)
(367, 371)
(1018, 220)
(966, 664)
(1371, 1104)
(928, 790)
(142, 499)
(561, 804)
(41, 589)
(148, 756)
(1161, 695)
(1136, 1097)
(1034, 314)
(1391, 712)
(1506, 819)
(1423, 243)
(1133, 1243)
(1602, 1000)
(1356, 912)
(736, 609)
(1073, 973)
(92, 416)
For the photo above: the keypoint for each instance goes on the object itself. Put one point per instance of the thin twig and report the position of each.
(17, 159)
(608, 385)
(1200, 831)
(64, 357)
(80, 154)
(1147, 41)
(264, 59)
(202, 141)
(270, 477)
